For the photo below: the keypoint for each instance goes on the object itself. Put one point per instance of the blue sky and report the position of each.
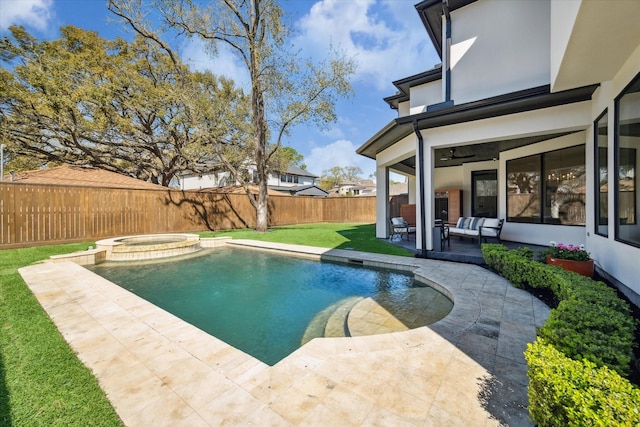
(385, 36)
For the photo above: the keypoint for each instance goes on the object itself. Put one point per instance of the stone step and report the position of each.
(336, 325)
(318, 325)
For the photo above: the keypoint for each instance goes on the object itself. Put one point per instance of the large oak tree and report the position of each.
(128, 107)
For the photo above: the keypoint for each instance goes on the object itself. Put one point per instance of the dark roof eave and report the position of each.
(430, 12)
(404, 85)
(515, 102)
(385, 137)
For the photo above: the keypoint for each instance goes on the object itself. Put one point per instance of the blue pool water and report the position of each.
(259, 302)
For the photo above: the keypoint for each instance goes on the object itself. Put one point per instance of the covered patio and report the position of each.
(460, 249)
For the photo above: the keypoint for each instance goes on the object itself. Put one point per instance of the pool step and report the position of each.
(318, 326)
(336, 325)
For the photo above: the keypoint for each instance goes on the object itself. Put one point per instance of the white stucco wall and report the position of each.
(401, 150)
(498, 47)
(563, 17)
(403, 109)
(617, 259)
(445, 178)
(198, 182)
(425, 95)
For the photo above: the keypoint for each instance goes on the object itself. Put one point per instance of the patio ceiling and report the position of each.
(483, 152)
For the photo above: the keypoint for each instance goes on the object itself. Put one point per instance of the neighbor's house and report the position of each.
(295, 181)
(533, 116)
(361, 188)
(80, 176)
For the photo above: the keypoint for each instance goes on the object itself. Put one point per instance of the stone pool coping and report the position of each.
(467, 369)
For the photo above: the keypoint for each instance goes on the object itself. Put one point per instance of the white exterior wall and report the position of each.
(563, 18)
(447, 178)
(618, 259)
(401, 150)
(498, 47)
(403, 109)
(198, 182)
(302, 180)
(424, 95)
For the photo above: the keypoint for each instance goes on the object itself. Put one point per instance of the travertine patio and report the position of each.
(467, 369)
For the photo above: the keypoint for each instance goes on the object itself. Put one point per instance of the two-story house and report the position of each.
(534, 117)
(295, 181)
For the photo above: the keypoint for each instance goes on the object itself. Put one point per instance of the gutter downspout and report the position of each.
(447, 51)
(423, 225)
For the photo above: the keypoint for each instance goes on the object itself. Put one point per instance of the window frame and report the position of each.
(597, 182)
(616, 161)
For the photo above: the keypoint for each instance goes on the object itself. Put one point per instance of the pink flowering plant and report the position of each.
(570, 252)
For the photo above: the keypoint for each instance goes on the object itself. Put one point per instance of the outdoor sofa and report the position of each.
(477, 228)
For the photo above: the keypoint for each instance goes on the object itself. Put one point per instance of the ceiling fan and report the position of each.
(453, 156)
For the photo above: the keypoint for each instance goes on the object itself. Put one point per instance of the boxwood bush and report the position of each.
(577, 365)
(567, 392)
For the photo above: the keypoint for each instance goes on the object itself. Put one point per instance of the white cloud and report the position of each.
(385, 37)
(30, 13)
(339, 153)
(223, 63)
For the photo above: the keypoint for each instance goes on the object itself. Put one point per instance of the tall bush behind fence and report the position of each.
(42, 214)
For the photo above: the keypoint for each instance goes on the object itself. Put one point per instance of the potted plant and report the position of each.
(570, 257)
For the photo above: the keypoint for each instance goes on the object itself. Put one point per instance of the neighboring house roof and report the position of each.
(294, 170)
(301, 190)
(399, 188)
(81, 176)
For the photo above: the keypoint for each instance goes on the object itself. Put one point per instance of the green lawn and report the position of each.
(360, 237)
(42, 383)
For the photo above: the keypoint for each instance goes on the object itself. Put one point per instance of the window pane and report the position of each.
(602, 175)
(523, 189)
(628, 138)
(565, 186)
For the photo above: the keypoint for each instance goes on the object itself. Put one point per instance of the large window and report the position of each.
(547, 188)
(627, 145)
(601, 141)
(523, 189)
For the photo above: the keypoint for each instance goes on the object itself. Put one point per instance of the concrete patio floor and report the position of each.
(157, 370)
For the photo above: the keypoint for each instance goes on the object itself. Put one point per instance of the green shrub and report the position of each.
(583, 348)
(583, 330)
(566, 392)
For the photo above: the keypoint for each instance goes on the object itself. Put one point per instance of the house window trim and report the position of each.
(616, 161)
(597, 184)
(542, 188)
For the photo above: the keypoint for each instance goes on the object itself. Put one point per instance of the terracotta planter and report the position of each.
(581, 267)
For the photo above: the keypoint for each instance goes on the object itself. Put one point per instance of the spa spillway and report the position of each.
(151, 246)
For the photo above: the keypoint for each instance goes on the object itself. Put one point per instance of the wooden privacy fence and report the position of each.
(43, 214)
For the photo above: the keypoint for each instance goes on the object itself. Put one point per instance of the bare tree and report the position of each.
(285, 90)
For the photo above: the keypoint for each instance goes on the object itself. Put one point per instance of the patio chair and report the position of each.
(400, 227)
(444, 232)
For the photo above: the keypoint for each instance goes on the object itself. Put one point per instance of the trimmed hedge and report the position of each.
(567, 392)
(591, 331)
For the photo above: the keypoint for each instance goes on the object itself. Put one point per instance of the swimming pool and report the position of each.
(268, 304)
